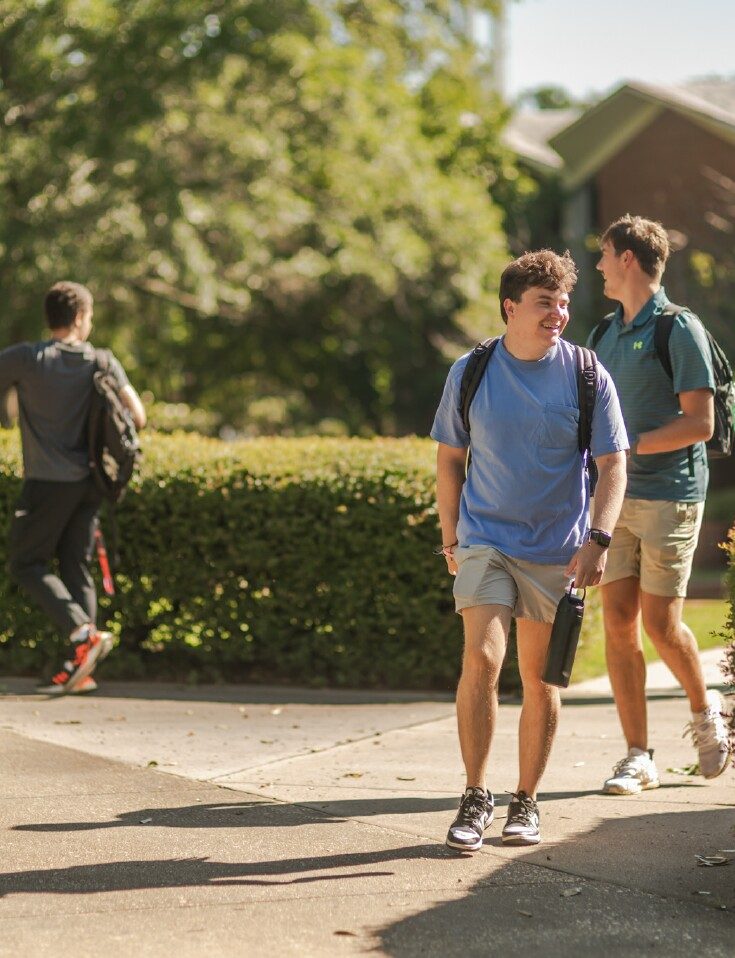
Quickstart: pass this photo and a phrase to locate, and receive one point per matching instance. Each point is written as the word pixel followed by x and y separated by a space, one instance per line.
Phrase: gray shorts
pixel 487 576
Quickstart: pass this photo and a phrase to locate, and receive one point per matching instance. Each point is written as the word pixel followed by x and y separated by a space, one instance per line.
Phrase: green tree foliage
pixel 281 205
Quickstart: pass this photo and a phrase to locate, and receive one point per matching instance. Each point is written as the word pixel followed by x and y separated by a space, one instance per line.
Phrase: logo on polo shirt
pixel 638 344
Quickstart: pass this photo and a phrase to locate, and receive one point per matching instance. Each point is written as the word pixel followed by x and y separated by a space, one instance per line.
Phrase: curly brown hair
pixel 543 268
pixel 646 239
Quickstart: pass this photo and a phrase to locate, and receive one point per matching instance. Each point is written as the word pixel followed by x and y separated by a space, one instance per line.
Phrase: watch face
pixel 601 538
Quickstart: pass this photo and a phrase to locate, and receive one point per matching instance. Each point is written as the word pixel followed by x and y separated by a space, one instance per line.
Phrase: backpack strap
pixel 102 358
pixel 662 335
pixel 587 393
pixel 600 329
pixel 472 377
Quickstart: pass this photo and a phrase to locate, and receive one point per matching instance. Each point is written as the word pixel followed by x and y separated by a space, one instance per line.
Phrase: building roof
pixel 579 141
pixel 599 133
pixel 528 133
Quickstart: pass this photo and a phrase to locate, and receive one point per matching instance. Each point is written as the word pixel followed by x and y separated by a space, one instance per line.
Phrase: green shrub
pixel 273 560
pixel 304 560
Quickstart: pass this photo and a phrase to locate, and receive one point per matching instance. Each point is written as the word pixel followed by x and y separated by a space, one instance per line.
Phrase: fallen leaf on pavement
pixel 67 722
pixel 350 933
pixel 144 821
pixel 709 860
pixel 353 775
pixel 568 892
pixel 403 778
pixel 526 914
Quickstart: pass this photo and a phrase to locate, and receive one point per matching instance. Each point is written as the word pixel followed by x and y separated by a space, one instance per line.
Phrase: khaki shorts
pixel 655 542
pixel 488 577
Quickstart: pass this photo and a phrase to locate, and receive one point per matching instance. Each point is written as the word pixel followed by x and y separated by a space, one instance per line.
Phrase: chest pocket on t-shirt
pixel 558 428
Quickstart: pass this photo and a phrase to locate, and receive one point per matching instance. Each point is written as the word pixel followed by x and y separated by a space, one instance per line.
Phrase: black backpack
pixel 586 390
pixel 112 439
pixel 723 438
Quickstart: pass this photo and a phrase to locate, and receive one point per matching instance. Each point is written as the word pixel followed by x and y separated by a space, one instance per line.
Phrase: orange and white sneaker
pixel 89 647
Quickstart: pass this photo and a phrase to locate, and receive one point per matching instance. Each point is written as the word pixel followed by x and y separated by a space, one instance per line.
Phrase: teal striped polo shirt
pixel 649 398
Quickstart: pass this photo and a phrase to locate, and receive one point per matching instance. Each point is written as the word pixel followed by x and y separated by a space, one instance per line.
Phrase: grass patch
pixel 703 616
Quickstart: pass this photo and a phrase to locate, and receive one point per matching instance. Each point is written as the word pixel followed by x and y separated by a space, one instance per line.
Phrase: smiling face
pixel 539 318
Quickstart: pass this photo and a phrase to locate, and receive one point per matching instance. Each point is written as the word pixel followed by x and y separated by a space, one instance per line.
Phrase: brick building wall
pixel 677 172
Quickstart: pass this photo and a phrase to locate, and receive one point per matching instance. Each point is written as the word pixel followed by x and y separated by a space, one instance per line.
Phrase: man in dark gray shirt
pixel 56 513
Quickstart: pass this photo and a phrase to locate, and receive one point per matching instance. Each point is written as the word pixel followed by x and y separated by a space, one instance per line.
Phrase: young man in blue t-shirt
pixel 668 419
pixel 515 530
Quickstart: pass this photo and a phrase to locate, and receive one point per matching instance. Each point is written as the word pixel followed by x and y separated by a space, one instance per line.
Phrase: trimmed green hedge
pixel 306 561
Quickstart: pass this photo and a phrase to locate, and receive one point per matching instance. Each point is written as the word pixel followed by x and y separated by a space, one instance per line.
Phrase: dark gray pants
pixel 56 520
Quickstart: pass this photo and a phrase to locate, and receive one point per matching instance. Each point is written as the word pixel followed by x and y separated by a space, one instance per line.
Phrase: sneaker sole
pixel 619 790
pixel 469 848
pixel 84 670
pixel 463 848
pixel 521 839
pixel 717 774
pixel 85 688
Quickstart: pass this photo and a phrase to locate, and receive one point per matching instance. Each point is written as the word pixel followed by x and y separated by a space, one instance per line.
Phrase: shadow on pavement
pixel 635 887
pixel 266 814
pixel 200 872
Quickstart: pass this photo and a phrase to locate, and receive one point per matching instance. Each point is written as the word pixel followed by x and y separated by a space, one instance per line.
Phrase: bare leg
pixel 675 644
pixel 486 629
pixel 625 662
pixel 540 712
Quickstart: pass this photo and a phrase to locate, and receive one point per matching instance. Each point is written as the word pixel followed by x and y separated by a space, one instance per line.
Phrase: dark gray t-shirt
pixel 54 383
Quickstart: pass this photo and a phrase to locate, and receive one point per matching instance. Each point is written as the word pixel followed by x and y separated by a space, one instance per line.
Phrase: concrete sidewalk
pixel 235 820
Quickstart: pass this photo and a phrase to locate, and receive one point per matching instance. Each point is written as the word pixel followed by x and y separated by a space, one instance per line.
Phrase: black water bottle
pixel 564 639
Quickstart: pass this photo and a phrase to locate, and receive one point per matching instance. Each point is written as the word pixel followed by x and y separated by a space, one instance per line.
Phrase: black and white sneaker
pixel 522 824
pixel 476 810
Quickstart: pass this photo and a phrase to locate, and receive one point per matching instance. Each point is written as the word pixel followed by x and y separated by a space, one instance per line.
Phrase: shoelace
pixel 628 765
pixel 527 811
pixel 709 731
pixel 471 809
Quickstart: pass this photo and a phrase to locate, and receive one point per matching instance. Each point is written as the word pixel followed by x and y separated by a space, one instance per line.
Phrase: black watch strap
pixel 602 539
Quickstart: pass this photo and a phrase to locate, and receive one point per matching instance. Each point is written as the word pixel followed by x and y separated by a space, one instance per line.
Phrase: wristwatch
pixel 603 539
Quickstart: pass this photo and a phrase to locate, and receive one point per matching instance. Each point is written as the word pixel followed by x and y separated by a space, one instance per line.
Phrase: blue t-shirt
pixel 649 399
pixel 527 492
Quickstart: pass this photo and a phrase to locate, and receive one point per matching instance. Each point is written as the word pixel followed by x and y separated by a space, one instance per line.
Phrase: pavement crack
pixel 216 779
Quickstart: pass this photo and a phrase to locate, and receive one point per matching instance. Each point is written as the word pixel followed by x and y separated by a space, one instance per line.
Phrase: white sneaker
pixel 633 774
pixel 710 736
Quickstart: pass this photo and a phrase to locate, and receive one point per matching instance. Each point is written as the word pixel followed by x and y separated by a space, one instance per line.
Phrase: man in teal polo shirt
pixel 668 420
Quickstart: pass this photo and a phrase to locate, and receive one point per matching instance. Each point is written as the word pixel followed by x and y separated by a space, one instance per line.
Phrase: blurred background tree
pixel 282 207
